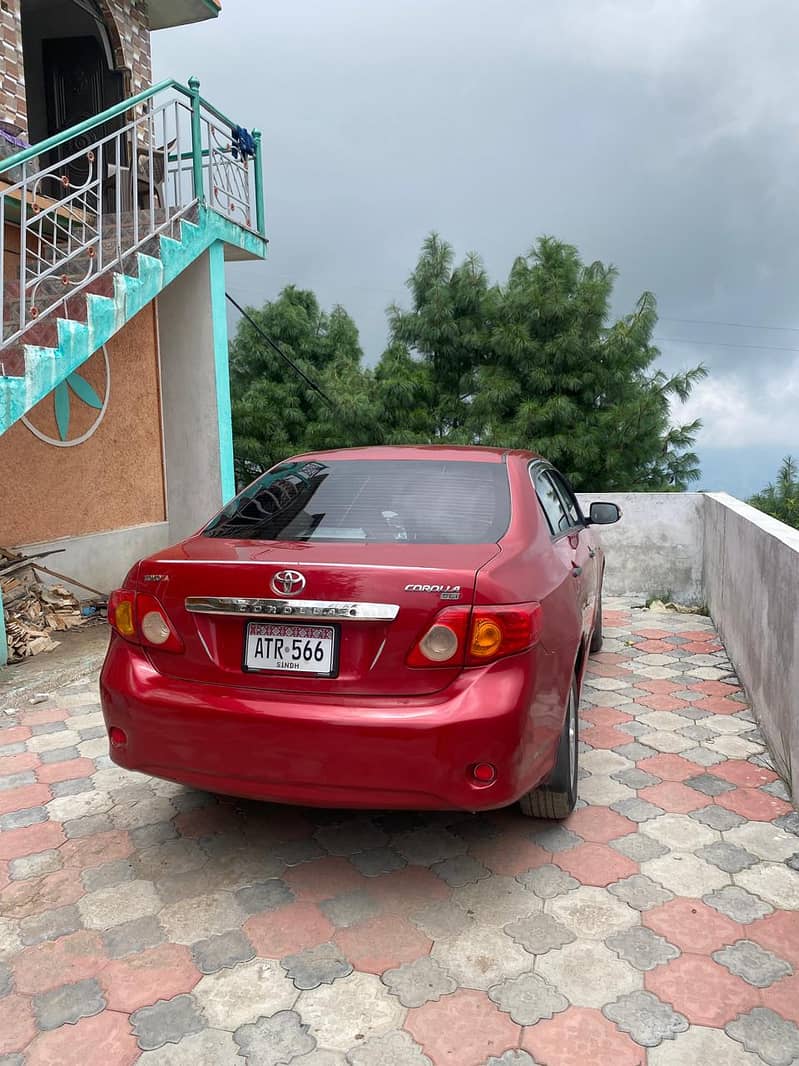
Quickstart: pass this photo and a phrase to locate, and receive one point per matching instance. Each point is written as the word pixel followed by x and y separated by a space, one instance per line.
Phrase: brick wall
pixel 128 27
pixel 12 81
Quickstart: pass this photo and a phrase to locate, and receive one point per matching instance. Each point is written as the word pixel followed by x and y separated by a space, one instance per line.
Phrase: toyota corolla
pixel 377 627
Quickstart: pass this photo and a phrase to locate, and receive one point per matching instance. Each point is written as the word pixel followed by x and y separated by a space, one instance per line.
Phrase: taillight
pixel 477 636
pixel 140 618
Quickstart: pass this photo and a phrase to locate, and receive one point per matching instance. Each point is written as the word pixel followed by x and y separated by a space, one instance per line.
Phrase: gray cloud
pixel 660 135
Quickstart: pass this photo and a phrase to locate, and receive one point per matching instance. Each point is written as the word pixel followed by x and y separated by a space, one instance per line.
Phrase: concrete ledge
pixel 102 559
pixel 656 549
pixel 751 580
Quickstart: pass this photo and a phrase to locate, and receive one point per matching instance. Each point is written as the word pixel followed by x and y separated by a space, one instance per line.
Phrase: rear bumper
pixel 370 753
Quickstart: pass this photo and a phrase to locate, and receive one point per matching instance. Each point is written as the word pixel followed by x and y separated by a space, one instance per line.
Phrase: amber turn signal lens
pixel 486 638
pixel 123 619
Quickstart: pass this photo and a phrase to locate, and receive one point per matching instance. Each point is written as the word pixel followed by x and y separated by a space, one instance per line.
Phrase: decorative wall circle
pixel 74 387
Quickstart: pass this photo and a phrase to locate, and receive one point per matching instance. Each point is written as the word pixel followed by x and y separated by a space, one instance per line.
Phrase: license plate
pixel 291 649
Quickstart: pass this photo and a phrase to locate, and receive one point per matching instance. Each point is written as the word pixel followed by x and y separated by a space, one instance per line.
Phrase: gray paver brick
pixel 59 755
pixel 639 847
pixel 765 1033
pixel 746 959
pixel 222 951
pixel 637 810
pixel 709 785
pixel 296 852
pixel 264 896
pixel 789 822
pixel 68 1003
pixel 166 1022
pixel 134 936
pixel 157 833
pixel 641 947
pixel 317 966
pixel 390 1049
pixel 36 865
pixel 24 777
pixel 110 873
pixel 647 1019
pixel 349 908
pixel 511 1058
pixel 528 998
pixel 274 1040
pixel 717 817
pixel 554 838
pixel 88 826
pixel 460 870
pixel 635 751
pixel 635 778
pixel 548 881
pixel 419 982
pixel 728 857
pixel 6 980
pixel 441 919
pixel 76 787
pixel 423 847
pixel 539 933
pixel 738 904
pixel 22 819
pixel 640 892
pixel 378 861
pixel 49 925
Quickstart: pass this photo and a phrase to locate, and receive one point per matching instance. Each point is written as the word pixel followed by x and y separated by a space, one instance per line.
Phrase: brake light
pixel 140 618
pixel 477 636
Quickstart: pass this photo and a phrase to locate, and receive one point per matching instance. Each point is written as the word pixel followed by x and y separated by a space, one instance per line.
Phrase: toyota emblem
pixel 288 582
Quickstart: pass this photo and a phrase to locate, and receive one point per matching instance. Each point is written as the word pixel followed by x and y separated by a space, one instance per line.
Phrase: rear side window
pixel 567 496
pixel 551 503
pixel 419 501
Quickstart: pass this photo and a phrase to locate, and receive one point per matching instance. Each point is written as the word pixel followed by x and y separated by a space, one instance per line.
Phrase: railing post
pixel 196 138
pixel 259 184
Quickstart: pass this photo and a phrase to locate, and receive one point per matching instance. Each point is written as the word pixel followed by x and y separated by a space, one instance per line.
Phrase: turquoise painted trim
pixel 3 641
pixel 45 368
pixel 221 370
pixel 260 221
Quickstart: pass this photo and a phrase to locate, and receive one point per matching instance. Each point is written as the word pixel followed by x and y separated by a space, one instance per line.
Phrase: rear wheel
pixel 556 798
pixel 596 636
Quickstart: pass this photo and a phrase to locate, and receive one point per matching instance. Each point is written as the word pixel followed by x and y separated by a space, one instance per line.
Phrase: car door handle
pixel 576 570
pixel 591 553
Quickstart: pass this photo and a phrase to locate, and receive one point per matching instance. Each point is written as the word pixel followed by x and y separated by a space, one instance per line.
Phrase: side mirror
pixel 603 514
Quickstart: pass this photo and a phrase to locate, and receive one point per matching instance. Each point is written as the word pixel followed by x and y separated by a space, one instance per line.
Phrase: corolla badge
pixel 288 582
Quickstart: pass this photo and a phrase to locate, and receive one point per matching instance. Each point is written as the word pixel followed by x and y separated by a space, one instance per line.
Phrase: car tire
pixel 596 635
pixel 556 798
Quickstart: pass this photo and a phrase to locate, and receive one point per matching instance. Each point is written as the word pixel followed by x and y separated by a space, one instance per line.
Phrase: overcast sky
pixel 659 135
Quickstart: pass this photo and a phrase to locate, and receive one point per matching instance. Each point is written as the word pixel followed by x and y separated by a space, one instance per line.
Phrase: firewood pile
pixel 34 611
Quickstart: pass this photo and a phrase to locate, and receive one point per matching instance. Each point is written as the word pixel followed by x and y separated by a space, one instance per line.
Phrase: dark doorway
pixel 74 71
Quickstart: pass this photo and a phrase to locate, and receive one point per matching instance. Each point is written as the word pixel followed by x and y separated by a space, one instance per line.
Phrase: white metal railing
pixel 80 203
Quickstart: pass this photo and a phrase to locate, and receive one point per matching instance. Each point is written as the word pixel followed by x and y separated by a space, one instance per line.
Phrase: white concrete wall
pixel 656 549
pixel 101 559
pixel 188 325
pixel 751 579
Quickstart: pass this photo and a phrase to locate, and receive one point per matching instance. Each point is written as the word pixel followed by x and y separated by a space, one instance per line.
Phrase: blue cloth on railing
pixel 243 145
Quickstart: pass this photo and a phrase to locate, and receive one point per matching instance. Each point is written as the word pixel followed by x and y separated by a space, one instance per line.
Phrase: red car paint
pixel 380 734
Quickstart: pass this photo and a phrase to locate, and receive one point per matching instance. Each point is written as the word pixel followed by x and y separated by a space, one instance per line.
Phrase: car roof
pixel 451 452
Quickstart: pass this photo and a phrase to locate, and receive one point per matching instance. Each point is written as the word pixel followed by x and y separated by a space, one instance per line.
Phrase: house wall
pixel 751 578
pixel 114 479
pixel 12 78
pixel 656 550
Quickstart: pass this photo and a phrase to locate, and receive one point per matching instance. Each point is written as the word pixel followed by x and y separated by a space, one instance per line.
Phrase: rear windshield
pixel 420 501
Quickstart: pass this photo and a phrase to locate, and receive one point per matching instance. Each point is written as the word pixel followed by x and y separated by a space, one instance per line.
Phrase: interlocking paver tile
pixel 717 818
pixel 746 959
pixel 135 981
pixel 528 998
pixel 727 856
pixel 641 947
pixel 108 1035
pixel 539 933
pixel 578 1036
pixel 548 881
pixel 166 1022
pixel 419 982
pixel 381 943
pixel 222 952
pixel 701 989
pixel 351 1010
pixel 640 892
pixel 68 1004
pixel 648 1020
pixel 764 1032
pixel 376 861
pixel 316 966
pixel 210 1047
pixel 773 882
pixel 699 1045
pixel 234 997
pixel 390 1049
pixel 588 973
pixel 465 1027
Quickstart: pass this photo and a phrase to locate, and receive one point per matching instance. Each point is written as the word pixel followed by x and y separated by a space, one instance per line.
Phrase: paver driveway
pixel 142 921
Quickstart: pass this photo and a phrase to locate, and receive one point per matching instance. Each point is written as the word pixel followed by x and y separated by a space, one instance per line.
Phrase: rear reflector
pixel 479 635
pixel 484 773
pixel 117 737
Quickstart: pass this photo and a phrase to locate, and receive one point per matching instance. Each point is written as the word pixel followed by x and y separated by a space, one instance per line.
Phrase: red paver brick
pixel 599 824
pixel 670 767
pixel 382 943
pixel 596 864
pixel 617 619
pixel 715 688
pixel 324 879
pixel 288 930
pixel 21 899
pixel 17 1027
pixel 15 735
pixel 653 634
pixel 659 701
pixel 720 705
pixel 14 843
pixel 509 856
pixel 51 772
pixel 54 714
pixel 98 849
pixel 404 891
pixel 139 980
pixel 104 1040
pixel 19 799
pixel 705 992
pixel 743 773
pixel 464 1029
pixel 753 804
pixel 702 636
pixel 674 797
pixel 580 1036
pixel 205 821
pixel 778 932
pixel 16 764
pixel 605 670
pixel 600 716
pixel 59 962
pixel 610 657
pixel 783 997
pixel 696 647
pixel 5 879
pixel 662 686
pixel 656 647
pixel 691 925
pixel 605 736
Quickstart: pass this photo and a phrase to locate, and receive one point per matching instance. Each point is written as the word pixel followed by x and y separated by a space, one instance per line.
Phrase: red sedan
pixel 376 627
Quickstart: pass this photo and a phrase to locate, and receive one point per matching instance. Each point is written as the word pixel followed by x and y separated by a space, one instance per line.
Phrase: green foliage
pixel 780 498
pixel 534 363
